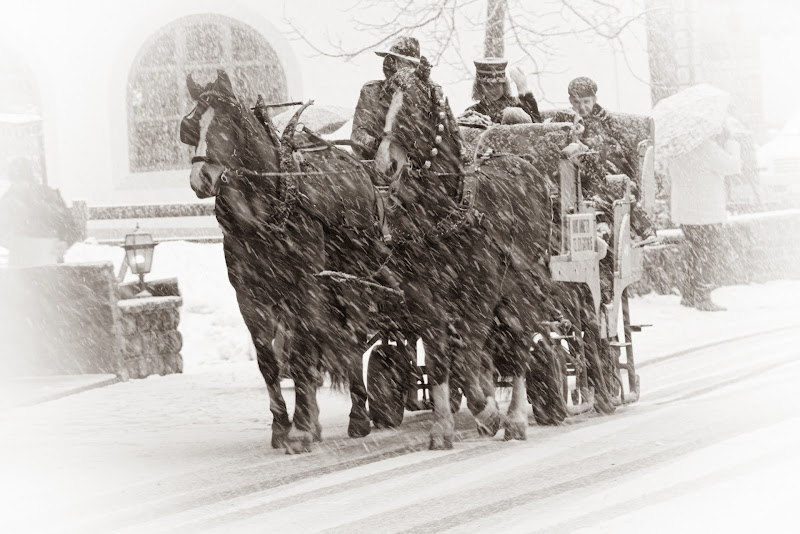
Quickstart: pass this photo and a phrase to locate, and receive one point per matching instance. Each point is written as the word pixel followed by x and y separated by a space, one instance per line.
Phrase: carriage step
pixel 638 327
pixel 619 344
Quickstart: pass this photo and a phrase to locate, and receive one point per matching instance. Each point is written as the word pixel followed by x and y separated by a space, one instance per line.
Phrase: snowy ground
pixel 713 430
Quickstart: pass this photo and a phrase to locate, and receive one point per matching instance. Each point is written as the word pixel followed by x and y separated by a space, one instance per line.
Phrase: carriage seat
pixel 630 130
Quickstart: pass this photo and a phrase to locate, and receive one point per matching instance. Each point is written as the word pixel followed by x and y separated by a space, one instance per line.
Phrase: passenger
pixel 606 162
pixel 604 166
pixel 492 90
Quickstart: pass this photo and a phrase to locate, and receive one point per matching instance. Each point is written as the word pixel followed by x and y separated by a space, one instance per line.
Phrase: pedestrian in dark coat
pixel 35 223
pixel 492 90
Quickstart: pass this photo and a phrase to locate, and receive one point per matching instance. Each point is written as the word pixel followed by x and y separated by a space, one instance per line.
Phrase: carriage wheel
pixel 386 386
pixel 545 382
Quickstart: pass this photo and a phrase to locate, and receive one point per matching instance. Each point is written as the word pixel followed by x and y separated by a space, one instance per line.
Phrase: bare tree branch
pixel 440 23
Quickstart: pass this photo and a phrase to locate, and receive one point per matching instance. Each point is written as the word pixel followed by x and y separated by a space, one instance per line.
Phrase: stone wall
pixel 151 342
pixel 59 319
pixel 754 248
pixel 69 319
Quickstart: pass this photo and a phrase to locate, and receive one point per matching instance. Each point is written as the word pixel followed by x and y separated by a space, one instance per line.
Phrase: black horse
pixel 285 218
pixel 471 251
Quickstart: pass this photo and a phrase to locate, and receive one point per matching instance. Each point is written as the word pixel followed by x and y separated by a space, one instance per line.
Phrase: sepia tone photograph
pixel 399 266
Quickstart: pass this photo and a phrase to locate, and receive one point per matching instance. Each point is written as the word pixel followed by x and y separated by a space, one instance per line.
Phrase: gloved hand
pixel 518 77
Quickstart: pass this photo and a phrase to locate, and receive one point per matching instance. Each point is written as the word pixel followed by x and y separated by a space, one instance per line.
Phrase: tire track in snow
pixel 177 500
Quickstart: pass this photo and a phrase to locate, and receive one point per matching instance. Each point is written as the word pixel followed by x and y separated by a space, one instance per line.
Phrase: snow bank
pixel 214 332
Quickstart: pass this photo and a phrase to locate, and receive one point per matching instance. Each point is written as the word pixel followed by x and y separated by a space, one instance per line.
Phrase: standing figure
pixel 492 90
pixel 373 103
pixel 35 223
pixel 698 204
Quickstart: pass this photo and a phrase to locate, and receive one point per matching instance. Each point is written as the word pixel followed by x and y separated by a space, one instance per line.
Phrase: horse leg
pixel 280 416
pixel 516 423
pixel 482 403
pixel 260 321
pixel 267 364
pixel 305 428
pixel 478 384
pixel 359 417
pixel 437 362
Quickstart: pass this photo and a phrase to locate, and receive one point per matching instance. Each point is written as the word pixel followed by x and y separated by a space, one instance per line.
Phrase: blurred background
pixel 91 92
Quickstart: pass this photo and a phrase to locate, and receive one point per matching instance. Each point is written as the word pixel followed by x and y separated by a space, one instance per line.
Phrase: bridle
pixel 230 170
pixel 214 161
pixel 227 170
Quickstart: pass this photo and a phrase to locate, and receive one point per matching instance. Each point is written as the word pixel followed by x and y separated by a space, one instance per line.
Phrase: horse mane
pixel 423 125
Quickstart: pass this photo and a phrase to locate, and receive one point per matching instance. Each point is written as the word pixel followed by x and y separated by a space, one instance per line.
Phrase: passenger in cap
pixel 492 90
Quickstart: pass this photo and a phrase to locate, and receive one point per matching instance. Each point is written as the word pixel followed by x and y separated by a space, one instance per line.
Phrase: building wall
pixel 80 54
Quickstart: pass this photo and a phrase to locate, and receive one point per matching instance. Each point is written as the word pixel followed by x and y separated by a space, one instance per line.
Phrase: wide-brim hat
pixel 490 69
pixel 404 48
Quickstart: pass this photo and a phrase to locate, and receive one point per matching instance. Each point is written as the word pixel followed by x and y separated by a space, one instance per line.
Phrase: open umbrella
pixel 319 118
pixel 686 119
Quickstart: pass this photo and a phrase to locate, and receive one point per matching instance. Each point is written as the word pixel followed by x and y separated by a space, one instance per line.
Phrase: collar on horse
pixel 465 215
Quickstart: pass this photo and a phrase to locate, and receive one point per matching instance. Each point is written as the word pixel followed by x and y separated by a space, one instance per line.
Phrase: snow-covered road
pixel 712 446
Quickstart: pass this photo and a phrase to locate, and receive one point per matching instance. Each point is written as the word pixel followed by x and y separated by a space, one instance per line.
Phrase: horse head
pixel 222 134
pixel 421 153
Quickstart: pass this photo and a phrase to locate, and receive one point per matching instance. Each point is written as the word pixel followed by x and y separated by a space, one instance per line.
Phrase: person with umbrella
pixel 694 145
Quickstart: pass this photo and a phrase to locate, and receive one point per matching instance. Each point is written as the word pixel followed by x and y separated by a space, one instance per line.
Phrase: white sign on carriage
pixel 582 236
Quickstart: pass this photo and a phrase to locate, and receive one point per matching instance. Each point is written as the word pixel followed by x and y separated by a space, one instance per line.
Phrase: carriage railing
pixel 578 261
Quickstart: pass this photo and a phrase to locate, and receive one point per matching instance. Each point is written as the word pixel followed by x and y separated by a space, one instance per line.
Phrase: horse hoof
pixel 298 442
pixel 515 430
pixel 317 433
pixel 358 428
pixel 489 420
pixel 279 435
pixel 440 443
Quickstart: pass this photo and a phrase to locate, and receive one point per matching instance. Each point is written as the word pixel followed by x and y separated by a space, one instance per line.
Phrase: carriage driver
pixel 492 90
pixel 373 103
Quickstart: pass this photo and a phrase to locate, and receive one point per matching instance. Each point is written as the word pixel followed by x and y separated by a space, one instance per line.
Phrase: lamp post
pixel 139 256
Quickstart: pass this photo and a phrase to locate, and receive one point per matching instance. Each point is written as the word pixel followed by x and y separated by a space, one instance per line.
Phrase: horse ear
pixel 194 90
pixel 224 82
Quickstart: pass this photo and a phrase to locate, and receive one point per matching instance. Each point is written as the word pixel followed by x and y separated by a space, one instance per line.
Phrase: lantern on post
pixel 139 256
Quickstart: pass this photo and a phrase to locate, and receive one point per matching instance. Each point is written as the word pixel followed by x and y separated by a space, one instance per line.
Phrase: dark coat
pixel 370 118
pixel 35 210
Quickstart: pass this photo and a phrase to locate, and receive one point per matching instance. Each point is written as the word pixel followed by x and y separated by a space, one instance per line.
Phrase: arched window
pixel 157 94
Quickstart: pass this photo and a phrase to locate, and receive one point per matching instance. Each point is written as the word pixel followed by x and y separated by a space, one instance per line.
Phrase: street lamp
pixel 139 256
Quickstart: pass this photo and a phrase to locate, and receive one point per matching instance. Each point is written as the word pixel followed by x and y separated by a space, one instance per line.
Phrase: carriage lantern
pixel 139 250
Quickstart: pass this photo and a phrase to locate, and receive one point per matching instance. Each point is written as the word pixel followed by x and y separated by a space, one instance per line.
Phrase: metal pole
pixel 626 323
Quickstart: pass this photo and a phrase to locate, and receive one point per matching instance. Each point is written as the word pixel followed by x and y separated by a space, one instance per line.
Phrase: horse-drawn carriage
pixel 396 375
pixel 480 262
